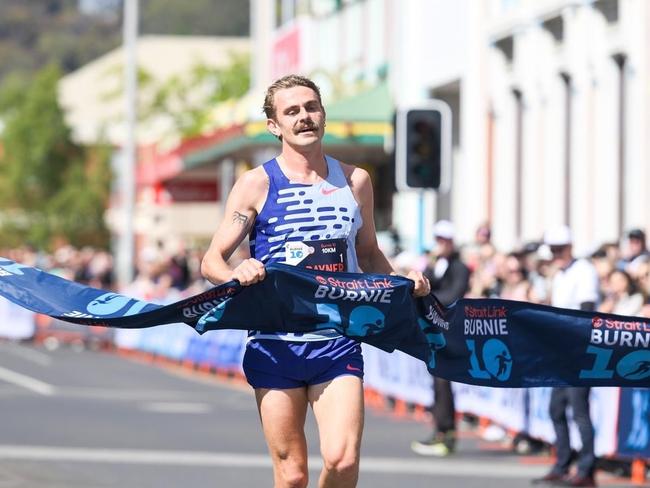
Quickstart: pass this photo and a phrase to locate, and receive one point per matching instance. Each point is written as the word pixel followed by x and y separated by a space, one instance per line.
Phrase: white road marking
pixel 236 402
pixel 450 467
pixel 27 353
pixel 176 407
pixel 133 456
pixel 444 467
pixel 121 394
pixel 209 380
pixel 25 381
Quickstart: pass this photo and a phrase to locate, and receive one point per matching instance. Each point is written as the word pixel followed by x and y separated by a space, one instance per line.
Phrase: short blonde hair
pixel 288 81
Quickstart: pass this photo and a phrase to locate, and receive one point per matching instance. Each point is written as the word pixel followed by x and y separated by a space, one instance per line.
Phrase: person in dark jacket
pixel 449 279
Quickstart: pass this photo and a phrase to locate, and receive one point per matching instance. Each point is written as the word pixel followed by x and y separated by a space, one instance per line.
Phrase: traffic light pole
pixel 126 247
pixel 423 146
pixel 423 154
pixel 421 247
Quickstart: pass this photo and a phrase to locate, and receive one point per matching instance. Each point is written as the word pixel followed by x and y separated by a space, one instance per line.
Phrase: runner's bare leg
pixel 338 407
pixel 282 413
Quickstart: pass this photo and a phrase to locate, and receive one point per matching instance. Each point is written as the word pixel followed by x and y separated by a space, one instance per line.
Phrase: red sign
pixel 191 191
pixel 286 52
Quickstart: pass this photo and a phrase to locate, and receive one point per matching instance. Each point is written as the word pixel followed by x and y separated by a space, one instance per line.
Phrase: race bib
pixel 326 255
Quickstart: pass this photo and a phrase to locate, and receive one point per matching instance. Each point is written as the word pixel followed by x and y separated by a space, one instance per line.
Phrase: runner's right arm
pixel 243 204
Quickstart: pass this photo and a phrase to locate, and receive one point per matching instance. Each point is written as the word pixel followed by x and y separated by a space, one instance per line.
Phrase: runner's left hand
pixel 422 285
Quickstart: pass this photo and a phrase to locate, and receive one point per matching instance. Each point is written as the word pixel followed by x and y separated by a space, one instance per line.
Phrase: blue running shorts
pixel 278 364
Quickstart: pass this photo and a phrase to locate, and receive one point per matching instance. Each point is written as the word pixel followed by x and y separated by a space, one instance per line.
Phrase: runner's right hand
pixel 249 271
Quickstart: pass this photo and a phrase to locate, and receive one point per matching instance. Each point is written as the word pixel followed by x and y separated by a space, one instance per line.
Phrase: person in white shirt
pixel 575 285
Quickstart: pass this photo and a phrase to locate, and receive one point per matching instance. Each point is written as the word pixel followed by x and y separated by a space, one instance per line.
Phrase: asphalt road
pixel 94 419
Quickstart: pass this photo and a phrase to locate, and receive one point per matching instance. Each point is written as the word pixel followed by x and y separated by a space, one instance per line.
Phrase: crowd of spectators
pixel 526 273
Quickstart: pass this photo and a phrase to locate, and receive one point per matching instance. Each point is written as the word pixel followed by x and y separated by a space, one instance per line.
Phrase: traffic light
pixel 423 141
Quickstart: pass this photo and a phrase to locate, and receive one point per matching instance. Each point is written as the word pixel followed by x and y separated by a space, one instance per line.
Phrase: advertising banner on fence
pixel 634 423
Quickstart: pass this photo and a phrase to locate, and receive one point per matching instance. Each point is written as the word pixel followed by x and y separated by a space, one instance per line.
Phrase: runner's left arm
pixel 371 258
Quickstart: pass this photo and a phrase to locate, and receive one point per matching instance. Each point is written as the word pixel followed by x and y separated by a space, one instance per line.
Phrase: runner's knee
pixel 344 462
pixel 291 474
pixel 295 479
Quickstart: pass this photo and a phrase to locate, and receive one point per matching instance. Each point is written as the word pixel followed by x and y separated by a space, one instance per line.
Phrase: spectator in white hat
pixel 575 285
pixel 449 279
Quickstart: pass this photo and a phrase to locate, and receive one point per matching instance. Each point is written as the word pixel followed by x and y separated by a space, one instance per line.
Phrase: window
pixel 322 8
pixel 555 27
pixel 507 46
pixel 609 8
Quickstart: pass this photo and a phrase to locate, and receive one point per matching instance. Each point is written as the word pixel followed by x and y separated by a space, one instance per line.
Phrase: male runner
pixel 307 209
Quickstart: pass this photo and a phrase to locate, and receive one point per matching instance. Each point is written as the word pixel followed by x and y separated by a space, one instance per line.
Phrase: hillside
pixel 34 33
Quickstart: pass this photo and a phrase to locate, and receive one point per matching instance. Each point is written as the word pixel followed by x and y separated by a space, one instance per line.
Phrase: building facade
pixel 550 101
pixel 567 112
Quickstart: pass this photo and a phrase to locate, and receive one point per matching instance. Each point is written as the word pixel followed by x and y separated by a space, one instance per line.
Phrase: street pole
pixel 420 235
pixel 126 249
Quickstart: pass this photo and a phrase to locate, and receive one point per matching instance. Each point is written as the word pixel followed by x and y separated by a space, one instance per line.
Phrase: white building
pixel 549 100
pixel 567 108
pixel 552 110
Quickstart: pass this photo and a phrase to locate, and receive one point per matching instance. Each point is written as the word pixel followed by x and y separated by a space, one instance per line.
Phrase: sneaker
pixel 431 447
pixel 579 481
pixel 551 478
pixel 522 447
pixel 494 433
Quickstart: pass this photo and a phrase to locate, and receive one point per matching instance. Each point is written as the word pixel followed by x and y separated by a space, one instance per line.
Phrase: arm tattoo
pixel 239 218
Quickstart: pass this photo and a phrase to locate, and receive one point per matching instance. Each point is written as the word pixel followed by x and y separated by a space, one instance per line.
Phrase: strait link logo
pixel 607 337
pixel 359 320
pixel 610 332
pixel 370 291
pixel 489 356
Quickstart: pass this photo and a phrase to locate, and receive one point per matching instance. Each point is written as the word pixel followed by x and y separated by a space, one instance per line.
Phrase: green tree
pixel 12 93
pixel 37 144
pixel 36 33
pixel 196 18
pixel 190 98
pixel 77 211
pixel 48 188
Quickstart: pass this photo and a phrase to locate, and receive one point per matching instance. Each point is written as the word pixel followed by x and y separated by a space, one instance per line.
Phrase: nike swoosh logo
pixel 329 191
pixel 349 367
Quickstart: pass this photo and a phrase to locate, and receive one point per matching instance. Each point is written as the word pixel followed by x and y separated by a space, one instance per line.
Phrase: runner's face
pixel 299 116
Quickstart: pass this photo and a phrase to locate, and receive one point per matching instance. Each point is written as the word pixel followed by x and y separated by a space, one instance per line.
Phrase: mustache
pixel 307 126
